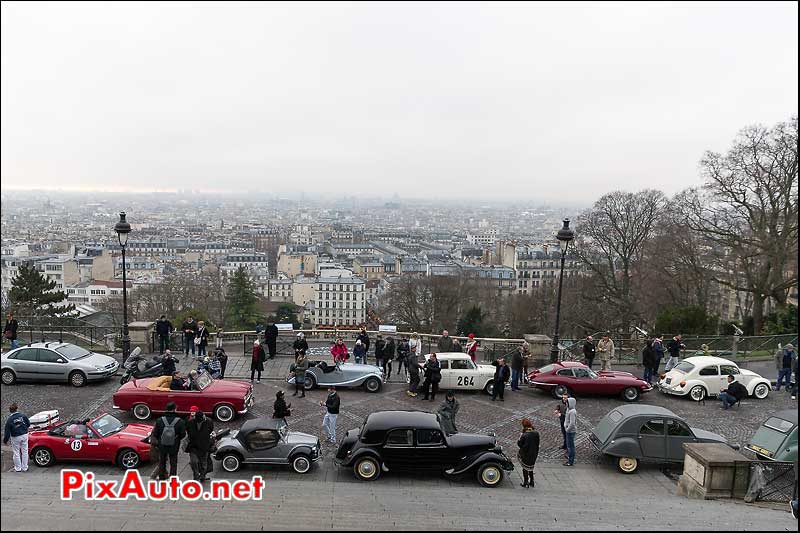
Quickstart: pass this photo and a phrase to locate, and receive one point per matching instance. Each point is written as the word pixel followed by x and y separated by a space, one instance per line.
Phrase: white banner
pixel 387 329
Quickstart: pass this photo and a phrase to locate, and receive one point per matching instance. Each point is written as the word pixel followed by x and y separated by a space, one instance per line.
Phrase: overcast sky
pixel 546 101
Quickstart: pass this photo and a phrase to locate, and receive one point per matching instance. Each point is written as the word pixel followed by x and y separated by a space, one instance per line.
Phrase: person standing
pixel 257 362
pixel 359 352
pixel 271 338
pixel 16 431
pixel 332 404
pixel 589 351
pixel 202 337
pixel 10 330
pixel 300 368
pixel 784 360
pixel 501 375
pixel 198 443
pixel 526 360
pixel 389 353
pixel 472 347
pixel 648 361
pixel 606 350
pixel 169 430
pixel 363 336
pixel 380 344
pixel 414 347
pixel 794 388
pixel 167 364
pixel 516 368
pixel 571 427
pixel 457 345
pixel 300 344
pixel 561 411
pixel 445 342
pixel 280 409
pixel 447 413
pixel 189 328
pixel 339 351
pixel 413 378
pixel 658 350
pixel 164 329
pixel 674 348
pixel 218 339
pixel 528 444
pixel 222 357
pixel 433 375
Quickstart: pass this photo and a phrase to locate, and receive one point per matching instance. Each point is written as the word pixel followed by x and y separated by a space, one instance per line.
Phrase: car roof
pixel 51 344
pixel 570 364
pixel 260 423
pixel 449 355
pixel 643 409
pixel 702 360
pixel 787 414
pixel 386 420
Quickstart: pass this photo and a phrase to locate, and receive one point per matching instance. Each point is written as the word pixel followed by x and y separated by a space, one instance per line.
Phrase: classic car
pixel 56 362
pixel 634 433
pixel 703 376
pixel 322 374
pixel 221 398
pixel 104 439
pixel 267 441
pixel 776 439
pixel 578 379
pixel 414 441
pixel 460 372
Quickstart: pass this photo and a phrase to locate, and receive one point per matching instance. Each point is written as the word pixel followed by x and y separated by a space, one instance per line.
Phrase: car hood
pixel 95 359
pixel 471 440
pixel 358 367
pixel 295 437
pixel 702 434
pixel 138 431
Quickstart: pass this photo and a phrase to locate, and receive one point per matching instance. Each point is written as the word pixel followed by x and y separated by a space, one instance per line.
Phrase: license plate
pixel 669 380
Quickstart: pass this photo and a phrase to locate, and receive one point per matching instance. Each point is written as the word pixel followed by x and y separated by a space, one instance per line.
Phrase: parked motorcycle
pixel 133 368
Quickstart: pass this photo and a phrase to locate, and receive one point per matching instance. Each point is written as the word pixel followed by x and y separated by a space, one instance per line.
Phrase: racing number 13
pixel 466 381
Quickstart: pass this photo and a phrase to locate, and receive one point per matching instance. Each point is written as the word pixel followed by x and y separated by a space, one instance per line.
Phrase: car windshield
pixel 72 352
pixel 607 425
pixel 283 428
pixel 547 368
pixel 106 425
pixel 768 438
pixel 203 380
pixel 684 367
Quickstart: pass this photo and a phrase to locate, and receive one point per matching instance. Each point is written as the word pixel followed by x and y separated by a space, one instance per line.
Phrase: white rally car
pixel 703 376
pixel 459 372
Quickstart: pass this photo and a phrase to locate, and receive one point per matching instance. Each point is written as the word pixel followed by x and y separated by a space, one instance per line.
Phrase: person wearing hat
pixel 784 359
pixel 589 351
pixel 198 443
pixel 447 413
pixel 280 409
pixel 300 344
pixel 606 350
pixel 257 361
pixel 360 352
pixel 472 347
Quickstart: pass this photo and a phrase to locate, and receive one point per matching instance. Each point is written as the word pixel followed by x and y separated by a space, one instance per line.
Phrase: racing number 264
pixel 466 381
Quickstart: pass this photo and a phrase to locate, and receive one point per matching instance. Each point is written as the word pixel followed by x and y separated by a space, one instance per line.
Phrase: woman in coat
pixel 472 347
pixel 300 344
pixel 300 367
pixel 202 334
pixel 528 451
pixel 339 351
pixel 257 361
pixel 447 413
pixel 280 409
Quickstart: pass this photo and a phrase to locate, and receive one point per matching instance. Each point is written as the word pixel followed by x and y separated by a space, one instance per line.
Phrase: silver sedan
pixel 56 362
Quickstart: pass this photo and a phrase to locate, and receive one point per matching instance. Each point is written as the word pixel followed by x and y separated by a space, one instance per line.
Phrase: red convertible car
pixel 578 379
pixel 104 439
pixel 221 398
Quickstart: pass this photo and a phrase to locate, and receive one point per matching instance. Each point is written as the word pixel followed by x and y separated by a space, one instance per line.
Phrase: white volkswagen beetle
pixel 703 376
pixel 460 372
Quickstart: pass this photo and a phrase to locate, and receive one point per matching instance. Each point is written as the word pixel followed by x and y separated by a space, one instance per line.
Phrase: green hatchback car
pixel 776 439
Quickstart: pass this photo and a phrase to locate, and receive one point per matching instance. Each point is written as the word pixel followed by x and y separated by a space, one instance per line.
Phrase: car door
pixel 709 375
pixel 566 377
pixel 432 452
pixel 652 438
pixel 184 400
pixel 398 451
pixel 52 365
pixel 584 383
pixel 448 382
pixel 677 434
pixel 464 374
pixel 73 443
pixel 25 363
pixel 262 443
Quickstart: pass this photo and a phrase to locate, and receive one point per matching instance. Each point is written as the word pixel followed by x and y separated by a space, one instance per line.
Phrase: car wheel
pixel 231 462
pixel 140 411
pixel 43 457
pixel 224 413
pixel 8 377
pixel 630 394
pixel 372 385
pixel 489 388
pixel 761 391
pixel 310 382
pixel 301 463
pixel 560 390
pixel 490 474
pixel 628 465
pixel 367 469
pixel 128 459
pixel 697 393
pixel 77 379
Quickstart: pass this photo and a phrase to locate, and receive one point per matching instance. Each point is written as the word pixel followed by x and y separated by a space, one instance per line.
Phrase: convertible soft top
pixel 260 423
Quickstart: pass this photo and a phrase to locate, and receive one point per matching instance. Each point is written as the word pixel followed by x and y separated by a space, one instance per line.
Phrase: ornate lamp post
pixel 123 229
pixel 565 236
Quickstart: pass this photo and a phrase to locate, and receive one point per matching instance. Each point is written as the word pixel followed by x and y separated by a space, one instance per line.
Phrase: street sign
pixel 387 329
pixel 285 327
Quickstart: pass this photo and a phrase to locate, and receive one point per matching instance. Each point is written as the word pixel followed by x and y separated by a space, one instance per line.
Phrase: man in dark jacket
pixel 445 342
pixel 501 375
pixel 658 349
pixel 516 368
pixel 163 329
pixel 589 351
pixel 167 364
pixel 331 404
pixel 16 430
pixel 198 445
pixel 674 348
pixel 363 336
pixel 380 344
pixel 10 331
pixel 388 354
pixel 433 375
pixel 271 338
pixel 189 329
pixel 648 361
pixel 413 378
pixel 734 393
pixel 169 430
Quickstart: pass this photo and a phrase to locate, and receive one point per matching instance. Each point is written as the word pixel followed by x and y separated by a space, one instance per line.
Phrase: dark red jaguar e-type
pixel 578 379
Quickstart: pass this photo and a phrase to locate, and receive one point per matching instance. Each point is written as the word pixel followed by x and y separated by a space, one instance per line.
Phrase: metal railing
pixel 771 481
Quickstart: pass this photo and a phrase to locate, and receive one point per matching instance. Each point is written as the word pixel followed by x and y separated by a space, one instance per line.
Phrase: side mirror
pixel 60 361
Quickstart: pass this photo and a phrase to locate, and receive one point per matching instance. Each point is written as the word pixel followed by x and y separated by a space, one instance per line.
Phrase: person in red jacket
pixel 339 351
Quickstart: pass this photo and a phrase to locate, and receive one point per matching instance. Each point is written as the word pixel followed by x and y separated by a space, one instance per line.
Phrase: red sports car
pixel 221 398
pixel 104 439
pixel 579 379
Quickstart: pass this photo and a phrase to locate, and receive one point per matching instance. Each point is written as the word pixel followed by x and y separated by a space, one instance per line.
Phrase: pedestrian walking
pixel 526 360
pixel 169 430
pixel 447 413
pixel 363 336
pixel 658 349
pixel 380 344
pixel 674 348
pixel 501 375
pixel 198 442
pixel 189 328
pixel 606 350
pixel 300 344
pixel 222 357
pixel 784 360
pixel 516 367
pixel 359 352
pixel 457 345
pixel 300 367
pixel 528 444
pixel 571 427
pixel 735 392
pixel 167 364
pixel 201 339
pixel 433 375
pixel 648 360
pixel 332 404
pixel 164 329
pixel 561 412
pixel 413 378
pixel 271 338
pixel 472 347
pixel 16 431
pixel 445 342
pixel 389 353
pixel 280 409
pixel 339 351
pixel 589 351
pixel 10 330
pixel 257 361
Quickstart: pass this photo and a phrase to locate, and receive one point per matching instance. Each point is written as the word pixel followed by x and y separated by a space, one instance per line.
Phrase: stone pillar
pixel 713 470
pixel 540 349
pixel 141 334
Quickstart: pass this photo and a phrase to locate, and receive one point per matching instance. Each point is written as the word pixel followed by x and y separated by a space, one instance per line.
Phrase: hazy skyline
pixel 555 102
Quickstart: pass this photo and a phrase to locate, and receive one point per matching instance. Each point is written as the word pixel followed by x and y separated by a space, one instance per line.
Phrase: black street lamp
pixel 564 236
pixel 123 229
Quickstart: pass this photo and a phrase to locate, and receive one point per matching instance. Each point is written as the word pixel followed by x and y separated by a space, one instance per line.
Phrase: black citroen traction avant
pixel 402 441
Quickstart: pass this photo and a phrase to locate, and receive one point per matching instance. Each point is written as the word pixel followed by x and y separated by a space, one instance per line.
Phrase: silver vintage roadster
pixel 322 374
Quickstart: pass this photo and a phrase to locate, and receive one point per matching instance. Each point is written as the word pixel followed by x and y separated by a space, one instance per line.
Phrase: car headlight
pixel 99 368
